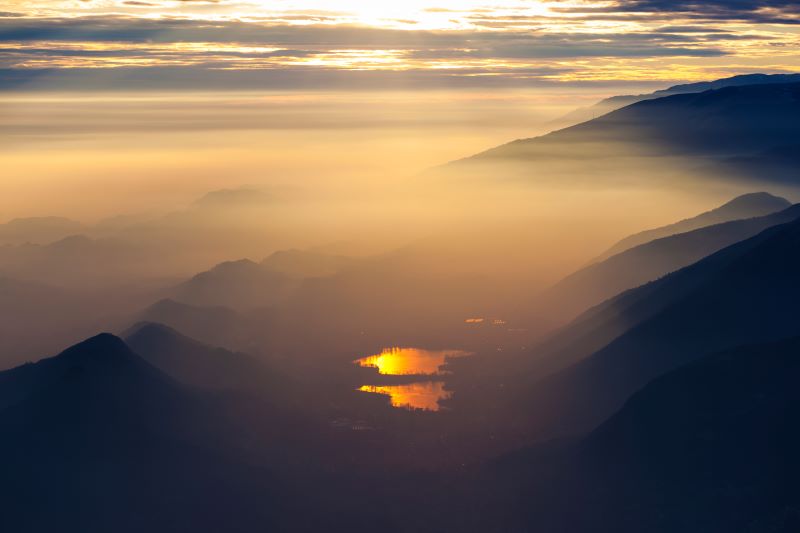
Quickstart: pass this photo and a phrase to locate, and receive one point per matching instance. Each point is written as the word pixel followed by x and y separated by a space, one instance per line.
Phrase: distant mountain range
pixel 215 325
pixel 728 121
pixel 143 248
pixel 652 260
pixel 241 284
pixel 198 364
pixel 616 102
pixel 697 136
pixel 74 261
pixel 245 285
pixel 741 294
pixel 38 230
pixel 744 206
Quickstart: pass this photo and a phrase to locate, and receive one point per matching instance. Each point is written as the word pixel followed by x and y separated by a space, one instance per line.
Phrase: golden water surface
pixel 408 361
pixel 411 361
pixel 413 395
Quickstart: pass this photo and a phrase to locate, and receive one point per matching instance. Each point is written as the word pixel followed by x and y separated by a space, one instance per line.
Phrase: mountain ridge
pixel 613 103
pixel 114 444
pixel 738 295
pixel 646 262
pixel 196 363
pixel 703 448
pixel 650 143
pixel 744 206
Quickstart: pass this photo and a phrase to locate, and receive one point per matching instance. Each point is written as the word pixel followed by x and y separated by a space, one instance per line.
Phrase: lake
pixel 425 394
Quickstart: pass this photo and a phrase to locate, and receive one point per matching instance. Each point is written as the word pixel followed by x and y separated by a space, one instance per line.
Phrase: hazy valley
pixel 591 329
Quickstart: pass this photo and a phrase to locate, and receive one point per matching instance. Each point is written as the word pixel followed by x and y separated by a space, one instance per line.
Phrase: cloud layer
pixel 159 43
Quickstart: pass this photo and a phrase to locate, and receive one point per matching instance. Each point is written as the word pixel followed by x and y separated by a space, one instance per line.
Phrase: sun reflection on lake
pixel 413 395
pixel 409 361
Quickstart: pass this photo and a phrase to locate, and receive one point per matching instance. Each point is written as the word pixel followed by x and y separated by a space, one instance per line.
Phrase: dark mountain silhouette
pixel 617 102
pixel 709 448
pixel 237 284
pixel 728 121
pixel 217 326
pixel 195 363
pixel 647 262
pixel 96 439
pixel 674 140
pixel 104 357
pixel 734 81
pixel 742 294
pixel 745 206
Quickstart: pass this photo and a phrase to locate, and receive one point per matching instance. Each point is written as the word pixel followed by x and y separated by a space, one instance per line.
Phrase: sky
pixel 312 44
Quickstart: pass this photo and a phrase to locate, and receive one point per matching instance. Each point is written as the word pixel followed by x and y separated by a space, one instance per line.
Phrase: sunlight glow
pixel 410 14
pixel 409 361
pixel 412 396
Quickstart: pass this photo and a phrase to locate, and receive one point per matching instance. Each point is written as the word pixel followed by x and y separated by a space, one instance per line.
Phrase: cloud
pixel 209 76
pixel 163 30
pixel 316 47
pixel 584 45
pixel 323 37
pixel 756 11
pixel 15 56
